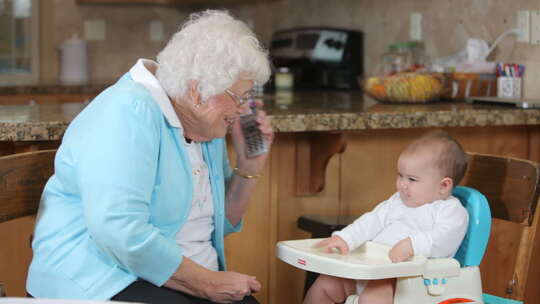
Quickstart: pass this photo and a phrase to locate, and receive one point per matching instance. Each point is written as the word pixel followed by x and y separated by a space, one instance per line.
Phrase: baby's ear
pixel 447 184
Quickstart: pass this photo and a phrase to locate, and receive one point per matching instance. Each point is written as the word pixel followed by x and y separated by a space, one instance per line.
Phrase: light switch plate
pixel 524 25
pixel 416 26
pixel 94 29
pixel 156 30
pixel 535 27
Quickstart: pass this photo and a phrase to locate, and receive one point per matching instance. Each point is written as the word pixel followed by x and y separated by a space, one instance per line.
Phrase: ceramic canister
pixel 73 61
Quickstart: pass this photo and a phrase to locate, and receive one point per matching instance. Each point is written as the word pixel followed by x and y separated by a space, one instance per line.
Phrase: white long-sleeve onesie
pixel 435 229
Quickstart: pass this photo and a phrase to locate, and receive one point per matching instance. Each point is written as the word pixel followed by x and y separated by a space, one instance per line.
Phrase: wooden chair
pixel 511 266
pixel 22 178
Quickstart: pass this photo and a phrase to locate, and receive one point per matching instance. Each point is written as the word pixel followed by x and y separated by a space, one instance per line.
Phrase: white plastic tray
pixel 368 262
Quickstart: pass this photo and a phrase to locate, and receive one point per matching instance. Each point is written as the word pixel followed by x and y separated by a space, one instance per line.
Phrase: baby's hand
pixel 334 242
pixel 401 251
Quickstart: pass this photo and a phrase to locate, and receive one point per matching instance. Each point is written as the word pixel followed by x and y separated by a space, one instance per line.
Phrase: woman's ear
pixel 193 93
pixel 447 184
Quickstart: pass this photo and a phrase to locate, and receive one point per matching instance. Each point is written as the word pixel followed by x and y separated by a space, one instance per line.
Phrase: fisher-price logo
pixel 301 262
pixel 456 300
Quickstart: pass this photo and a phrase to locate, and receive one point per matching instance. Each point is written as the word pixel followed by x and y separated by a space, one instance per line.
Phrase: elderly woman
pixel 143 195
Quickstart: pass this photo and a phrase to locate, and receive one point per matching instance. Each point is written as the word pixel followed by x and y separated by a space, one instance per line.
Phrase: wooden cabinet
pixel 169 2
pixel 127 2
pixel 44 98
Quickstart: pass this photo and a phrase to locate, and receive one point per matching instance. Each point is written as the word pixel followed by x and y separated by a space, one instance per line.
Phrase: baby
pixel 421 218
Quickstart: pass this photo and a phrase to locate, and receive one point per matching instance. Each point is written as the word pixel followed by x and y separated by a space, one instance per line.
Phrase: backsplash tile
pixel 446 26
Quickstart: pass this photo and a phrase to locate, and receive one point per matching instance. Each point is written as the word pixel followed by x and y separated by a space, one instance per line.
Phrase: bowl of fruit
pixel 404 87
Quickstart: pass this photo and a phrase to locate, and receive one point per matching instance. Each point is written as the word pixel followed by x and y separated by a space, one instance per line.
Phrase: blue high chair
pixel 419 280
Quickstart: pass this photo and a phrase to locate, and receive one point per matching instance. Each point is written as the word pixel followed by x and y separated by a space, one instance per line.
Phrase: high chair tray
pixel 368 262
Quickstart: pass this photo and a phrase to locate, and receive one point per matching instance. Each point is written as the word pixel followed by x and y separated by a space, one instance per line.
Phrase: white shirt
pixel 436 229
pixel 195 235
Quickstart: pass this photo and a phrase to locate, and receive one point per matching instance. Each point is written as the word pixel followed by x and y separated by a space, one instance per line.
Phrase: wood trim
pixel 313 152
pixel 48 52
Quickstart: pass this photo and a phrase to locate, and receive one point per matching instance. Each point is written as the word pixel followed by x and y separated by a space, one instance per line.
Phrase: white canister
pixel 73 61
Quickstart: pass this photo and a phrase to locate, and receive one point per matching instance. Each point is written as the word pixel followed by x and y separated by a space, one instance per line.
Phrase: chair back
pixel 472 248
pixel 510 184
pixel 22 178
pixel 510 267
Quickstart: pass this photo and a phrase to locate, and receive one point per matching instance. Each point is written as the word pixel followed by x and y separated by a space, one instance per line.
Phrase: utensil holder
pixel 509 87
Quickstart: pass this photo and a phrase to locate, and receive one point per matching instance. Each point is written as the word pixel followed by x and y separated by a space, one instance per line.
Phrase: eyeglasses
pixel 240 100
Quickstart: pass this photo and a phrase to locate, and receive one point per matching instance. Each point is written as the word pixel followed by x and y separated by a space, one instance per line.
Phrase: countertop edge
pixel 320 122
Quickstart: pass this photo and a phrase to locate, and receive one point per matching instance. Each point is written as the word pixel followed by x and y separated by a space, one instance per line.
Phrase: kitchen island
pixel 334 154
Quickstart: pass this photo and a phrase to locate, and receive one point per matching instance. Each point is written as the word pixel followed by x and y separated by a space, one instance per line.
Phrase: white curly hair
pixel 214 49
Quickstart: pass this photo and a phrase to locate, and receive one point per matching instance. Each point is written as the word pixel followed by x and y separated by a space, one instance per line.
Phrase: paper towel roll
pixel 73 61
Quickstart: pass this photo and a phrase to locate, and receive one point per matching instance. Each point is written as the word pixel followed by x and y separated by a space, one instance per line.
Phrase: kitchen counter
pixel 313 170
pixel 299 112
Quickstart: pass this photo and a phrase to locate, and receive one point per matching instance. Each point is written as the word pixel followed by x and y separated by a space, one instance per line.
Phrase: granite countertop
pixel 295 112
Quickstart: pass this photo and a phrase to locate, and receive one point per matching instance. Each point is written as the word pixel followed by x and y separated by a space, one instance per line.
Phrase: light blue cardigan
pixel 121 190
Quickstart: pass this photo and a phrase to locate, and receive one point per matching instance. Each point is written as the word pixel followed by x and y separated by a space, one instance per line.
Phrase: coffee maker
pixel 319 57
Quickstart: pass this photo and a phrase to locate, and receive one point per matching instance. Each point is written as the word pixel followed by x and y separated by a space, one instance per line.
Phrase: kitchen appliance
pixel 319 57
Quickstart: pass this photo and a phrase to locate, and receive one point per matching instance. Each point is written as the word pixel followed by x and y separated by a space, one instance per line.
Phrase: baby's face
pixel 419 180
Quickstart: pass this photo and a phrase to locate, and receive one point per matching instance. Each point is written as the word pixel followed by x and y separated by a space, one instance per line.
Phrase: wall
pixel 127 35
pixel 446 26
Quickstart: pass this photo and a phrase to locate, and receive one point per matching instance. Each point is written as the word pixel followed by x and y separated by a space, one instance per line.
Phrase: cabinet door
pixel 27 99
pixel 167 2
pixel 127 2
pixel 114 1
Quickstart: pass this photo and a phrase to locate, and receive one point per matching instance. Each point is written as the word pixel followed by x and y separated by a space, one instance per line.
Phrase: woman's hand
pixel 217 286
pixel 229 286
pixel 401 251
pixel 333 242
pixel 252 166
pixel 240 187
